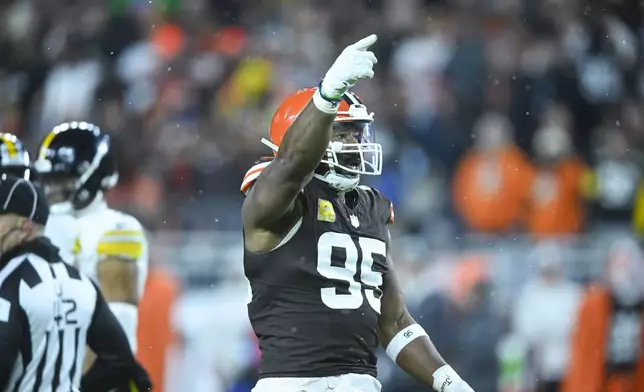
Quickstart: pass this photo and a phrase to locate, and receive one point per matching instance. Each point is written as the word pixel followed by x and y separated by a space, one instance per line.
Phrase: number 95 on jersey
pixel 356 262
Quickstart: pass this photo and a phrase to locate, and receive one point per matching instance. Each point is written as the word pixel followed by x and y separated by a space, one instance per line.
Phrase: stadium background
pixel 512 129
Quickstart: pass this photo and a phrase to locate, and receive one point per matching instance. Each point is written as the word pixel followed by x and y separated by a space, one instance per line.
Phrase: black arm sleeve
pixel 10 339
pixel 115 366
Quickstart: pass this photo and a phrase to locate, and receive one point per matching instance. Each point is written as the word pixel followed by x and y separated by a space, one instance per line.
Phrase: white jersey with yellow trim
pixel 96 233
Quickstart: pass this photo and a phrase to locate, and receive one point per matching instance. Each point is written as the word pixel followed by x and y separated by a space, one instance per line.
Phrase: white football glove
pixel 355 62
pixel 447 380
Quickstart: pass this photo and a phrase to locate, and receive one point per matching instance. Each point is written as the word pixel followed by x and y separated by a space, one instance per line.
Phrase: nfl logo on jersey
pixel 354 221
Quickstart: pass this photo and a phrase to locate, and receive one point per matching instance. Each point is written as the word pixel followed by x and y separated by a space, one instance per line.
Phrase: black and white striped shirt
pixel 49 312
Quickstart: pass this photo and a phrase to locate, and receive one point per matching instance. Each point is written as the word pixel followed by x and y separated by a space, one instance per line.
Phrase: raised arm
pixel 300 153
pixel 273 195
pixel 407 343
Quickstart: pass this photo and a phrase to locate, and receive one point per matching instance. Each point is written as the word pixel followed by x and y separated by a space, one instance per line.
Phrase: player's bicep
pixel 105 335
pixel 393 302
pixel 115 359
pixel 117 269
pixel 273 195
pixel 118 279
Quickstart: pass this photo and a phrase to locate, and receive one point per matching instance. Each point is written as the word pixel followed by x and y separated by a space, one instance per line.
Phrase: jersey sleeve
pixel 386 206
pixel 124 239
pixel 382 205
pixel 10 339
pixel 253 174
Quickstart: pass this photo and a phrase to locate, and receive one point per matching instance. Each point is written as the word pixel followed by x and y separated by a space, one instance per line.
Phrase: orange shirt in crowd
pixel 155 333
pixel 490 189
pixel 587 371
pixel 556 199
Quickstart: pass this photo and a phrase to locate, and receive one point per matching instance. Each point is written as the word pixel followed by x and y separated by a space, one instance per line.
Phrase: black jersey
pixel 316 298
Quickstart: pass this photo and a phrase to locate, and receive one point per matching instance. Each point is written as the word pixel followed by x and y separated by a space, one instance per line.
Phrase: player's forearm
pixel 408 345
pixel 124 306
pixel 118 279
pixel 419 358
pixel 305 142
pixel 90 357
pixel 106 337
pixel 299 155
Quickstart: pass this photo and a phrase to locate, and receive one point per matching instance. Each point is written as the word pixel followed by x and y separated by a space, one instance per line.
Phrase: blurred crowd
pixel 507 118
pixel 502 116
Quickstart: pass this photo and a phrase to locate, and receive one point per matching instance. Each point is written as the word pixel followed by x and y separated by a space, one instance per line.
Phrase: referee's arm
pixel 10 339
pixel 115 366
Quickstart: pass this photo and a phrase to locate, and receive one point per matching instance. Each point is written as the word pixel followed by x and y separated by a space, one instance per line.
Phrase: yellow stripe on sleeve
pixel 125 243
pixel 123 233
pixel 124 249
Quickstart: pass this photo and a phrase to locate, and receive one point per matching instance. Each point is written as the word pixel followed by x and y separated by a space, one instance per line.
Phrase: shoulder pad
pixel 253 173
pixel 384 200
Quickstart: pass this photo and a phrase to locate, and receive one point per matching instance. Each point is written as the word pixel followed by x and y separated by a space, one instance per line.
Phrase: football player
pixel 14 158
pixel 316 248
pixel 75 166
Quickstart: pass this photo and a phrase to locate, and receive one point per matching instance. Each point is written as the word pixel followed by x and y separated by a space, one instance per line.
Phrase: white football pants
pixel 343 383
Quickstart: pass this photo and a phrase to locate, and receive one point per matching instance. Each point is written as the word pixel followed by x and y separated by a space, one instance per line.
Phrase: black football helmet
pixel 75 163
pixel 14 158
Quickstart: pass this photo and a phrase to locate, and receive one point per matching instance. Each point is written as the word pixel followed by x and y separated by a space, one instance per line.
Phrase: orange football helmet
pixel 352 117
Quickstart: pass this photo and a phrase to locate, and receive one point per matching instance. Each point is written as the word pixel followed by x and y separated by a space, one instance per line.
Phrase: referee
pixel 49 311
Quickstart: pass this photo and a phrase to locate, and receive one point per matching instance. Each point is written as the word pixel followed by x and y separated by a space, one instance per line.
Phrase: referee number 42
pixel 65 311
pixel 349 272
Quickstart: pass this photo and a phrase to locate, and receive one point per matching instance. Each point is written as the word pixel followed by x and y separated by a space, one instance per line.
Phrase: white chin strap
pixel 338 181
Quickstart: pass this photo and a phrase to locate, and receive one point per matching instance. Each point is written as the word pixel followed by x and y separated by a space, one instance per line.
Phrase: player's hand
pixel 447 380
pixel 355 62
pixel 457 386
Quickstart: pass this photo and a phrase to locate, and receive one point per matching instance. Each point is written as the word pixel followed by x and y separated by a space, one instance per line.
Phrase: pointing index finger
pixel 365 43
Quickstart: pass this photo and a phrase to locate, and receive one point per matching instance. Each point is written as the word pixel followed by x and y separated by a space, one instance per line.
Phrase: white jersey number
pixel 347 273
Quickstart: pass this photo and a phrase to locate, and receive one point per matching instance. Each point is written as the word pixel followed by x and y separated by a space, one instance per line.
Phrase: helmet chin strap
pixel 337 181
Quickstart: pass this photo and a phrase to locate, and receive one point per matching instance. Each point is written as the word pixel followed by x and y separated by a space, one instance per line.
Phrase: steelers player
pixel 14 158
pixel 75 166
pixel 317 248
